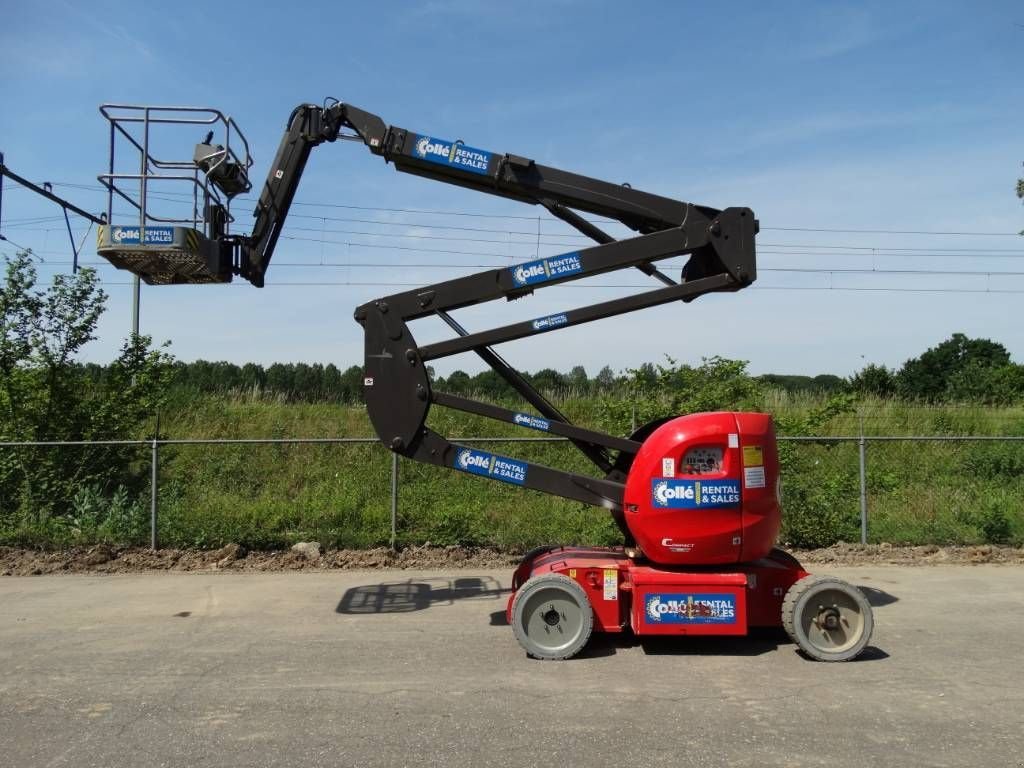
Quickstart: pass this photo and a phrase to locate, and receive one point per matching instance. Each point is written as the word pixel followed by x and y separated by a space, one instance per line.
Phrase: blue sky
pixel 850 116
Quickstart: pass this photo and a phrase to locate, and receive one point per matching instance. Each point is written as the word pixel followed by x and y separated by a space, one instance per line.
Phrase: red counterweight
pixel 703 490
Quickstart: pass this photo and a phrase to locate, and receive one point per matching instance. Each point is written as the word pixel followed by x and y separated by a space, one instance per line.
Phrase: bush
pixel 820 495
pixel 45 396
pixel 988 517
pixel 820 482
pixel 117 518
pixel 656 392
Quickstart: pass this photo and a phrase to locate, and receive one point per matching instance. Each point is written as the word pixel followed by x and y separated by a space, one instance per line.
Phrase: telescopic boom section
pixel 398 392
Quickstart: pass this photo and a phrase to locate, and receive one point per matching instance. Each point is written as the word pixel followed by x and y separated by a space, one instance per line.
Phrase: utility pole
pixel 136 294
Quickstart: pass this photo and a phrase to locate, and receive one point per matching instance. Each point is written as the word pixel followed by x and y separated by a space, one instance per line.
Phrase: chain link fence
pixel 864 445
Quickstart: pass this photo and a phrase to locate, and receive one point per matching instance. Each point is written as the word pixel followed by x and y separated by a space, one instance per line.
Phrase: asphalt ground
pixel 400 668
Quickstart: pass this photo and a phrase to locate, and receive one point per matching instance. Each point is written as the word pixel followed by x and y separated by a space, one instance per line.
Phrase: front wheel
pixel 827 618
pixel 551 617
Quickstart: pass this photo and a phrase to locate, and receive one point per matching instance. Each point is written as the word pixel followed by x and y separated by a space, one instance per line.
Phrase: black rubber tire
pixel 801 612
pixel 552 617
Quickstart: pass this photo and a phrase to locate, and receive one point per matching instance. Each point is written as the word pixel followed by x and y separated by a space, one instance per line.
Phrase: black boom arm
pixel 398 392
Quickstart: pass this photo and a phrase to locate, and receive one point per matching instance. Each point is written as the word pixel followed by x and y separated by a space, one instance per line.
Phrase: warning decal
pixel 753 456
pixel 611 584
pixel 753 477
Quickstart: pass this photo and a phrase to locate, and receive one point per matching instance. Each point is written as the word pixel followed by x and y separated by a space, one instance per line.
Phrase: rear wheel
pixel 828 619
pixel 552 617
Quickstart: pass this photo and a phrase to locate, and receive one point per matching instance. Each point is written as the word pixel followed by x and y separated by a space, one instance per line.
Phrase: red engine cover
pixel 703 490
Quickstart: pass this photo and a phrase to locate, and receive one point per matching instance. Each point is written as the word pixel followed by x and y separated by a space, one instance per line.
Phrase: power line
pixel 877 252
pixel 670 265
pixel 537 239
pixel 875 271
pixel 6 239
pixel 29 225
pixel 29 220
pixel 490 230
pixel 885 289
pixel 805 249
pixel 893 232
pixel 872 249
pixel 433 212
pixel 754 288
pixel 764 249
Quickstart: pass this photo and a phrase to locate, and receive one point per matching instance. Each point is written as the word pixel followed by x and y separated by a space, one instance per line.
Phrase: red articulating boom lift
pixel 696 497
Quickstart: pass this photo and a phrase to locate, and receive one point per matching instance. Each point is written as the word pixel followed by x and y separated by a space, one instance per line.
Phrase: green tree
pixel 549 381
pixel 304 382
pixel 661 391
pixel 458 383
pixel 489 385
pixel 928 376
pixel 281 379
pixel 987 384
pixel 644 377
pixel 352 384
pixel 874 380
pixel 46 396
pixel 254 378
pixel 605 378
pixel 578 380
pixel 827 382
pixel 332 384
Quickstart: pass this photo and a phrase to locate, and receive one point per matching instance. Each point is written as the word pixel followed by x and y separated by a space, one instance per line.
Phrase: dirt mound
pixel 233 557
pixel 928 554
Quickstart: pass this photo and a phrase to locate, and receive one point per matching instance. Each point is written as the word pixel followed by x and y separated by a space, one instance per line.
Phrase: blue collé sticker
pixel 491 465
pixel 453 153
pixel 549 322
pixel 542 270
pixel 532 422
pixel 671 493
pixel 131 235
pixel 690 609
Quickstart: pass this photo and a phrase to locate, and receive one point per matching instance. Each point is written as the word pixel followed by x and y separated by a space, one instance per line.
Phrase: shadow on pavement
pixel 760 640
pixel 871 653
pixel 757 642
pixel 877 597
pixel 602 644
pixel 418 594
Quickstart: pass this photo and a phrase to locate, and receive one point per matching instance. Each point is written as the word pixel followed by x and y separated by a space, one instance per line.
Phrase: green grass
pixel 270 496
pixel 275 495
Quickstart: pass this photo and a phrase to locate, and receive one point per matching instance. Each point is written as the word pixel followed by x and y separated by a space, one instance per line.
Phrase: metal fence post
pixel 155 464
pixel 862 444
pixel 394 499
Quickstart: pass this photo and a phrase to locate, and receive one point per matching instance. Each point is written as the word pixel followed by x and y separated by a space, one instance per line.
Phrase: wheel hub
pixel 552 617
pixel 828 618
